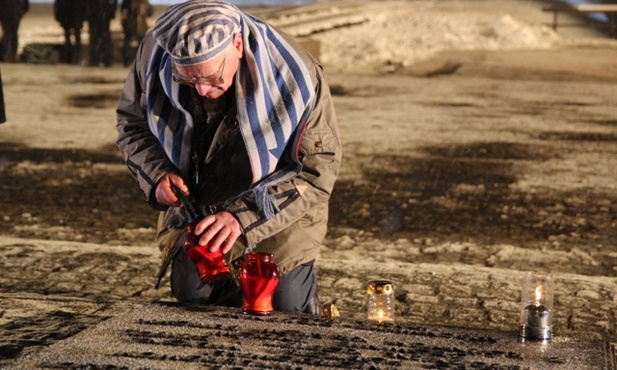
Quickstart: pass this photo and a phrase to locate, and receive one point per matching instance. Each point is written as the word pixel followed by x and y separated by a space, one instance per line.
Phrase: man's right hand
pixel 165 194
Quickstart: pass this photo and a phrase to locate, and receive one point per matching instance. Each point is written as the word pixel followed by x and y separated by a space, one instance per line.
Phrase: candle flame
pixel 538 295
pixel 380 315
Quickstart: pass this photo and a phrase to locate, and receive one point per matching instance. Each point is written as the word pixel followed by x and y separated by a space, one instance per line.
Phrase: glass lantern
pixel 380 301
pixel 536 307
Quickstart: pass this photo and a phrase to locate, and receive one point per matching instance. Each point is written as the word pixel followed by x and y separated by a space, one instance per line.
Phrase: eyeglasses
pixel 215 78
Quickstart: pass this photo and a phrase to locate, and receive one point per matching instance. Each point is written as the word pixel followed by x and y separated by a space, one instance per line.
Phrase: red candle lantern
pixel 210 265
pixel 259 277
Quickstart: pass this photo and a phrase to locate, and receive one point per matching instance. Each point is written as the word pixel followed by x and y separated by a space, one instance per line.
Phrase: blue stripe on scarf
pixel 178 124
pixel 273 119
pixel 170 121
pixel 253 118
pixel 284 90
pixel 295 69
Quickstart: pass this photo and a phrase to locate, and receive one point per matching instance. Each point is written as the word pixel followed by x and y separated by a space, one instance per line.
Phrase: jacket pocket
pixel 321 140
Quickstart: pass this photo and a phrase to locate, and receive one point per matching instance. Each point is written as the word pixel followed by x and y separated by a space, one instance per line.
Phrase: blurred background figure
pixel 11 12
pixel 100 14
pixel 612 19
pixel 135 15
pixel 71 15
pixel 2 111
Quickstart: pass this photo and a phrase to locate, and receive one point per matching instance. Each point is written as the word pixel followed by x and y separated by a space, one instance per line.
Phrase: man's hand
pixel 219 230
pixel 164 193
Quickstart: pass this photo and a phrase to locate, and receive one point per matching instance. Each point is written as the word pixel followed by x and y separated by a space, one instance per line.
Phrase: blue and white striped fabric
pixel 196 31
pixel 274 90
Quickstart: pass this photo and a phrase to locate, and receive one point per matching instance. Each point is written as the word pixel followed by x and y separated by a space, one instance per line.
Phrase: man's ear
pixel 238 44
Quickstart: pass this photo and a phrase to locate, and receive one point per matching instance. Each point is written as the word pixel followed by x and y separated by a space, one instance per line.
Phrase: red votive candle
pixel 210 266
pixel 259 277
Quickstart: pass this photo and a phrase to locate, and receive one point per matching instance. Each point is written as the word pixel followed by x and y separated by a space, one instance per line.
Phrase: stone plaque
pixel 170 336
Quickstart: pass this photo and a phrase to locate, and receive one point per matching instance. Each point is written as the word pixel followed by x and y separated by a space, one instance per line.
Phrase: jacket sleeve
pixel 140 149
pixel 320 153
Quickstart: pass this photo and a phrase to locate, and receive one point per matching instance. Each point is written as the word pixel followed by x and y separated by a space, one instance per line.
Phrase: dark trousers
pixel 296 291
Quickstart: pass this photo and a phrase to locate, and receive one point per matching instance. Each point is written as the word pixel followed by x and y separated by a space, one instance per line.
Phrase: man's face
pixel 212 78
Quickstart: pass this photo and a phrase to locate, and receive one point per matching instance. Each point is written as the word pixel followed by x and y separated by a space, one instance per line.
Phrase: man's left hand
pixel 219 230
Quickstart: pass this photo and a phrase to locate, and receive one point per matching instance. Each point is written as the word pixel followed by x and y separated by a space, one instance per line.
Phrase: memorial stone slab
pixel 173 336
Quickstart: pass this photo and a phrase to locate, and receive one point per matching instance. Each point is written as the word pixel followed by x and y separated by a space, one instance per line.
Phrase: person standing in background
pixel 100 13
pixel 2 111
pixel 11 12
pixel 71 15
pixel 135 15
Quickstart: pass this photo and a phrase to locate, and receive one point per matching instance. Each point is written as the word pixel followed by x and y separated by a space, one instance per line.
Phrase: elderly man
pixel 221 109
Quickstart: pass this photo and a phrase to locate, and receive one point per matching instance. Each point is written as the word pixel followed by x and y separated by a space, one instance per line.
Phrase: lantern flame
pixel 380 315
pixel 538 295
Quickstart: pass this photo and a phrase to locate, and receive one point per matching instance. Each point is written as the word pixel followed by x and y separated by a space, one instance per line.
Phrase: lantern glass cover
pixel 380 301
pixel 536 306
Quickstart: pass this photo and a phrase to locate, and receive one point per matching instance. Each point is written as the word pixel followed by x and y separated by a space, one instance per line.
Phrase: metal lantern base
pixel 539 333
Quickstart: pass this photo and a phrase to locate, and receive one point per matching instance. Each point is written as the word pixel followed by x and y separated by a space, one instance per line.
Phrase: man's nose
pixel 202 89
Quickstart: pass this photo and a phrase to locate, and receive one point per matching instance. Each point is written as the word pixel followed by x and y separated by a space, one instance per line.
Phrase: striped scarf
pixel 274 90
